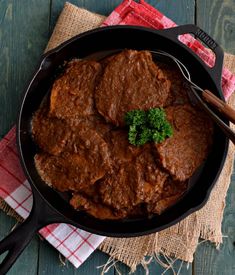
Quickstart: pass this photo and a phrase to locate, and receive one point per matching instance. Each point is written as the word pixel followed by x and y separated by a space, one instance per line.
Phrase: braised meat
pixel 50 133
pixel 84 146
pixel 169 195
pixel 151 174
pixel 120 148
pixel 72 94
pixel 182 153
pixel 97 210
pixel 119 189
pixel 84 161
pixel 179 89
pixel 70 171
pixel 136 178
pixel 131 80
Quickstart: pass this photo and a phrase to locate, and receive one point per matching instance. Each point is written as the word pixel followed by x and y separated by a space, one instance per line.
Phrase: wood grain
pixel 23 36
pixel 156 268
pixel 218 19
pixel 102 7
pixel 209 260
pixel 181 12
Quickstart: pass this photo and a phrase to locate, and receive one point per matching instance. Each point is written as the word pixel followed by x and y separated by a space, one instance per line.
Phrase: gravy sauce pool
pixel 84 148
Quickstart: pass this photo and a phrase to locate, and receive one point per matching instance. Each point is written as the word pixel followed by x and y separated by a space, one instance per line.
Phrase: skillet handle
pixel 216 70
pixel 16 242
pixel 40 216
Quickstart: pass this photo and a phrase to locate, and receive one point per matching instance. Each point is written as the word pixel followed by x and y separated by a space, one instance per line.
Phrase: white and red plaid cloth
pixel 75 244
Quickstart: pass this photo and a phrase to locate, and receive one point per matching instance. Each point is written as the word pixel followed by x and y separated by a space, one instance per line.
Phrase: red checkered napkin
pixel 75 244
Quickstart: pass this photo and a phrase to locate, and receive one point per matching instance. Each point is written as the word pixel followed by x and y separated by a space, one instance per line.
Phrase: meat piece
pixel 85 161
pixel 93 122
pixel 151 174
pixel 95 209
pixel 89 200
pixel 132 182
pixel 72 93
pixel 120 148
pixel 50 133
pixel 172 191
pixel 55 135
pixel 179 89
pixel 84 138
pixel 131 80
pixel 70 171
pixel 119 188
pixel 79 157
pixel 183 153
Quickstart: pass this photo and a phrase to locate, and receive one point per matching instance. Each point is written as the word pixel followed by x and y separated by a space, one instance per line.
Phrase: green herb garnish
pixel 147 126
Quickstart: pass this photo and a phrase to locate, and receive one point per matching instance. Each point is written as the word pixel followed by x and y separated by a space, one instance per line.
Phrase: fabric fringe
pixel 62 259
pixel 9 211
pixel 167 263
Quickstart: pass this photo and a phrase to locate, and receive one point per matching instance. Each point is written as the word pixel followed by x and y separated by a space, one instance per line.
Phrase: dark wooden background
pixel 25 27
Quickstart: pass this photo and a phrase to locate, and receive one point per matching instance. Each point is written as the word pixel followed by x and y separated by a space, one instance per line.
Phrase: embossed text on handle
pixel 206 39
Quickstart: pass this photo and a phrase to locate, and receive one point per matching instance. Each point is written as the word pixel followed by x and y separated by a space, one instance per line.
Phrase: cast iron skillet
pixel 50 206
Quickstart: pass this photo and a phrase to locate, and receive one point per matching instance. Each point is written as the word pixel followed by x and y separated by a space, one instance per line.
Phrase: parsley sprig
pixel 147 126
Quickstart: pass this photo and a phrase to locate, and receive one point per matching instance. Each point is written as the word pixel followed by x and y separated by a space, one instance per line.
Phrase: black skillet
pixel 50 206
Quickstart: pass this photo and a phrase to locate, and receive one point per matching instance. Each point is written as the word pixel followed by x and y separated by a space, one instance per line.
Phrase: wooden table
pixel 25 27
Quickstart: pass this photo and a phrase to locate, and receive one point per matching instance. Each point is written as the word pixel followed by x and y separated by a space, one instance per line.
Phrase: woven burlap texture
pixel 179 241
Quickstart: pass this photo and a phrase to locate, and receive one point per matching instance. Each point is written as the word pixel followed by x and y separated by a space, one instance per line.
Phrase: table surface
pixel 25 27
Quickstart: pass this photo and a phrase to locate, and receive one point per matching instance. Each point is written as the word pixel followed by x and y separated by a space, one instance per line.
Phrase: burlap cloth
pixel 179 241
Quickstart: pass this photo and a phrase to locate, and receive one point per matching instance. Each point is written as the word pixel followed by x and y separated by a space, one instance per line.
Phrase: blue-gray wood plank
pixel 24 30
pixel 218 19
